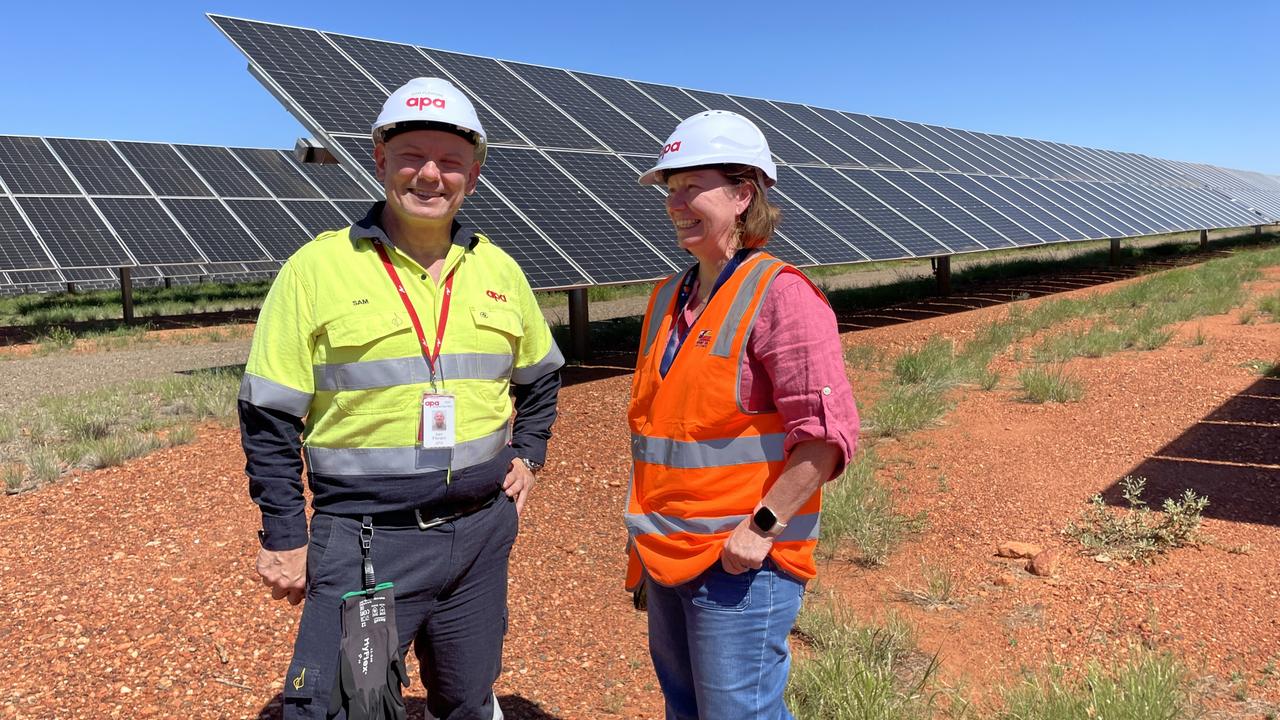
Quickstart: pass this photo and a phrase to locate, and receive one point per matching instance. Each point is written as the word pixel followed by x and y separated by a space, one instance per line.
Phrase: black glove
pixel 371 671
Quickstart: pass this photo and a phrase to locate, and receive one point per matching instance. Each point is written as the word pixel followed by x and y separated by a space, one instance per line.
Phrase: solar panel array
pixel 74 210
pixel 558 191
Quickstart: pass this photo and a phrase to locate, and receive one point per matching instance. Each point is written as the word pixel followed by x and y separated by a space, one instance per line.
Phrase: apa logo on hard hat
pixel 669 148
pixel 425 102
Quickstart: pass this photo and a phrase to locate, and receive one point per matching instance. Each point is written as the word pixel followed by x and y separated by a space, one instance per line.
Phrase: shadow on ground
pixel 1231 456
pixel 514 707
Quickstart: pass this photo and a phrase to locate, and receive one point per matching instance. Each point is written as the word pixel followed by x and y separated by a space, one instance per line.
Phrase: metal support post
pixel 942 270
pixel 126 293
pixel 579 341
pixel 168 282
pixel 71 288
pixel 1115 251
pixel 1257 230
pixel 1204 239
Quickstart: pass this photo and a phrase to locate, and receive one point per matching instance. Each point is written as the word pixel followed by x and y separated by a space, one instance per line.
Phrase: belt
pixel 430 516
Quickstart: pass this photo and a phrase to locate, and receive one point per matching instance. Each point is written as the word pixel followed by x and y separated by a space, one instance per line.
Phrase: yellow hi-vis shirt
pixel 335 345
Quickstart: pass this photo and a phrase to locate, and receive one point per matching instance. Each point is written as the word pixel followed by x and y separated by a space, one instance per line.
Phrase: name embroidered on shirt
pixel 361 301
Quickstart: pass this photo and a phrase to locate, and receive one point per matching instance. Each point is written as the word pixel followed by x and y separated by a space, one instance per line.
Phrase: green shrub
pixel 858 507
pixel 1146 687
pixel 1135 533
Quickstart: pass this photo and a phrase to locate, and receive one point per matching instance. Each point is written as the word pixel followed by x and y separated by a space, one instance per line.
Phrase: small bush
pixel 42 463
pixel 56 338
pixel 1050 385
pixel 1270 305
pixel 15 475
pixel 1135 534
pixel 180 435
pixel 933 364
pixel 863 357
pixel 1265 368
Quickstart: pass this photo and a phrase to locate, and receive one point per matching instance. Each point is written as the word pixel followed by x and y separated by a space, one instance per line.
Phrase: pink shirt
pixel 795 363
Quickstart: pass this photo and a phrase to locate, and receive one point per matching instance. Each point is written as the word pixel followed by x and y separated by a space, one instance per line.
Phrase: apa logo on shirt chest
pixel 496 295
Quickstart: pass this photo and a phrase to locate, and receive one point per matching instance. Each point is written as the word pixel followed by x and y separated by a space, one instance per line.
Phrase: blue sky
pixel 1183 80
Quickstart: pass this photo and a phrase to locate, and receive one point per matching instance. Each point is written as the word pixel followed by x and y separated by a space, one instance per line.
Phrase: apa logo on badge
pixel 704 339
pixel 425 102
pixel 669 148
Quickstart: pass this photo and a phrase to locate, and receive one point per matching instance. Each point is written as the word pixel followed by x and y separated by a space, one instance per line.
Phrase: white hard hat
pixel 714 137
pixel 425 102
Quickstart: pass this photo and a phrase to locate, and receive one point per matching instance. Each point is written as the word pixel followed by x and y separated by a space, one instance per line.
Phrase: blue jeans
pixel 719 643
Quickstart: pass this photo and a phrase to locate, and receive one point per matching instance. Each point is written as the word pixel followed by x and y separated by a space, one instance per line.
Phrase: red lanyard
pixel 431 355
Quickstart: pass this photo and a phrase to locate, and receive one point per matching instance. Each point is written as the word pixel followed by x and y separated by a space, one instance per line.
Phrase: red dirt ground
pixel 130 591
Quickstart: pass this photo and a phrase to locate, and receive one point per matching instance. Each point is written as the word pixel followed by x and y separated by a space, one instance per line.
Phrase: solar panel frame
pixel 333 181
pixel 865 238
pixel 876 212
pixel 73 231
pixel 20 245
pixel 165 171
pixel 1044 215
pixel 1075 189
pixel 955 148
pixel 97 168
pixel 540 121
pixel 887 130
pixel 275 228
pixel 222 171
pixel 1086 213
pixel 338 95
pixel 394 64
pixel 856 125
pixel 215 230
pixel 676 100
pixel 797 131
pixel 642 109
pixel 810 236
pixel 954 212
pixel 1065 214
pixel 564 210
pixel 316 216
pixel 281 177
pixel 614 128
pixel 148 230
pixel 1016 233
pixel 28 166
pixel 782 146
pixel 1108 203
pixel 1007 207
pixel 919 214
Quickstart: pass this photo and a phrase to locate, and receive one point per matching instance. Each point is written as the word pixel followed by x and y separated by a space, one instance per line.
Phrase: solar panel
pixel 147 231
pixel 339 97
pixel 215 230
pixel 592 236
pixel 163 169
pixel 393 64
pixel 274 228
pixel 316 216
pixel 100 170
pixel 868 240
pixel 222 171
pixel 274 169
pixel 604 121
pixel 74 233
pixel 543 264
pixel 19 248
pixel 875 212
pixel 332 180
pixel 27 166
pixel 571 201
pixel 526 109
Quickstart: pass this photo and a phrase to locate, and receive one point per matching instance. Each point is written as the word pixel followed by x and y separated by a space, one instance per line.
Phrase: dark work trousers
pixel 450 602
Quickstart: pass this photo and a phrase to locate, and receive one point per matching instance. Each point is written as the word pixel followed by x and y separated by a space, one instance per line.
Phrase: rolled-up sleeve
pixel 795 363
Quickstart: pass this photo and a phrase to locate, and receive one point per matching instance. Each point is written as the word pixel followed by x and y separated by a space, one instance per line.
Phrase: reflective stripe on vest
pixel 708 453
pixel 413 460
pixel 265 393
pixel 801 527
pixel 741 301
pixel 662 300
pixel 411 370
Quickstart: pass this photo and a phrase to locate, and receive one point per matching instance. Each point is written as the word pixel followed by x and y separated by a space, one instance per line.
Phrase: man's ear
pixel 380 161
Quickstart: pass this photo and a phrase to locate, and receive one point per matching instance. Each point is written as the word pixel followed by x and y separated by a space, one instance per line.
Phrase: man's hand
pixel 518 483
pixel 285 572
pixel 745 549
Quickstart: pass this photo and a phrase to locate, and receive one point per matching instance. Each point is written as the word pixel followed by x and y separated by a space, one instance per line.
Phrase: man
pixel 395 346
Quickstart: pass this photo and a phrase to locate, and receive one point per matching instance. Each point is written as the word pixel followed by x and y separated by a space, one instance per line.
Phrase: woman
pixel 740 411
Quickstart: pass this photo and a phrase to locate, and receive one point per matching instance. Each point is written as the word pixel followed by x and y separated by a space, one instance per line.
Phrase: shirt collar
pixel 370 228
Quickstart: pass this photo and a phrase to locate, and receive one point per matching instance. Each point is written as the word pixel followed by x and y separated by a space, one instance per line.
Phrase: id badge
pixel 438 421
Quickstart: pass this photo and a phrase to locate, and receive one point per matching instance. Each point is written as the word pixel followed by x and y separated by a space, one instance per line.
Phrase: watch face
pixel 764 519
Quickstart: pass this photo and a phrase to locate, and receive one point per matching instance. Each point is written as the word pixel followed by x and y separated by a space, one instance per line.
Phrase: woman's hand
pixel 745 549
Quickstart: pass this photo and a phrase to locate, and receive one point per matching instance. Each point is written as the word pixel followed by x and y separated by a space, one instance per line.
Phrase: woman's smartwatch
pixel 767 523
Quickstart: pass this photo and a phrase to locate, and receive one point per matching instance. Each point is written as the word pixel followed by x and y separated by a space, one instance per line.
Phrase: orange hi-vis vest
pixel 700 461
